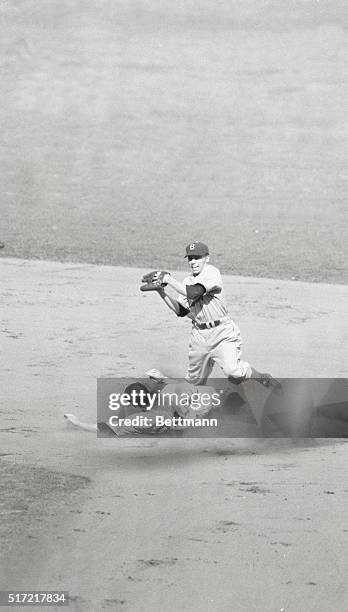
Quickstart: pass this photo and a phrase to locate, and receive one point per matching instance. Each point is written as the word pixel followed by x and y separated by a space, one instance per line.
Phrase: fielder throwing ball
pixel 215 337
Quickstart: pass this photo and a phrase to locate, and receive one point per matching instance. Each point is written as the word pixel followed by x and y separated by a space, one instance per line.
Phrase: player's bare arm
pixel 171 302
pixel 157 281
pixel 175 284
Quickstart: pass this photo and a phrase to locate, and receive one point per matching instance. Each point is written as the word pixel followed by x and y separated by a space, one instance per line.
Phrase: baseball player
pixel 179 405
pixel 215 337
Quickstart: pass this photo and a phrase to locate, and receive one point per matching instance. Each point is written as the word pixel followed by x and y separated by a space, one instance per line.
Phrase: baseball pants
pixel 221 345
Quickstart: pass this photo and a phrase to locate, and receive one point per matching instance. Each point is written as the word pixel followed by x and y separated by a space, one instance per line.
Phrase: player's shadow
pixel 168 453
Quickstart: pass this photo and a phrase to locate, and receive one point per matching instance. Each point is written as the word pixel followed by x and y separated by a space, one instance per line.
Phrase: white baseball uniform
pixel 220 341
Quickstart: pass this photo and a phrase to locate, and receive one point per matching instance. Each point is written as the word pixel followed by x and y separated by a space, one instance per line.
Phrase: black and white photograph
pixel 174 298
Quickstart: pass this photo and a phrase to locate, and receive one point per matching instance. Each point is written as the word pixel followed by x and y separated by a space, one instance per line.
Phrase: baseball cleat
pixel 156 375
pixel 268 381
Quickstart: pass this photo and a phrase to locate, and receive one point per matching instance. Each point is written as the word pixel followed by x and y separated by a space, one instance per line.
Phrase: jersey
pixel 212 305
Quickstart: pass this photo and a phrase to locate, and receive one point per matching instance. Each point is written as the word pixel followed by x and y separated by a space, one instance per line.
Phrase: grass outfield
pixel 128 132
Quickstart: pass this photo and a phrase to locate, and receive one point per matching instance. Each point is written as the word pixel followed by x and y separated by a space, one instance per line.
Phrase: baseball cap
pixel 197 248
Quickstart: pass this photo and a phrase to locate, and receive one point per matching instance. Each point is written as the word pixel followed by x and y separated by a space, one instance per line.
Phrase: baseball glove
pixel 153 280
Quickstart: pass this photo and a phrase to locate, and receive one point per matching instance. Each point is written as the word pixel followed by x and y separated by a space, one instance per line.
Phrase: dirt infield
pixel 162 524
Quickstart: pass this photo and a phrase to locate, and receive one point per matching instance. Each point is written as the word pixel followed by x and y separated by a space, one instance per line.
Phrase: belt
pixel 210 323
